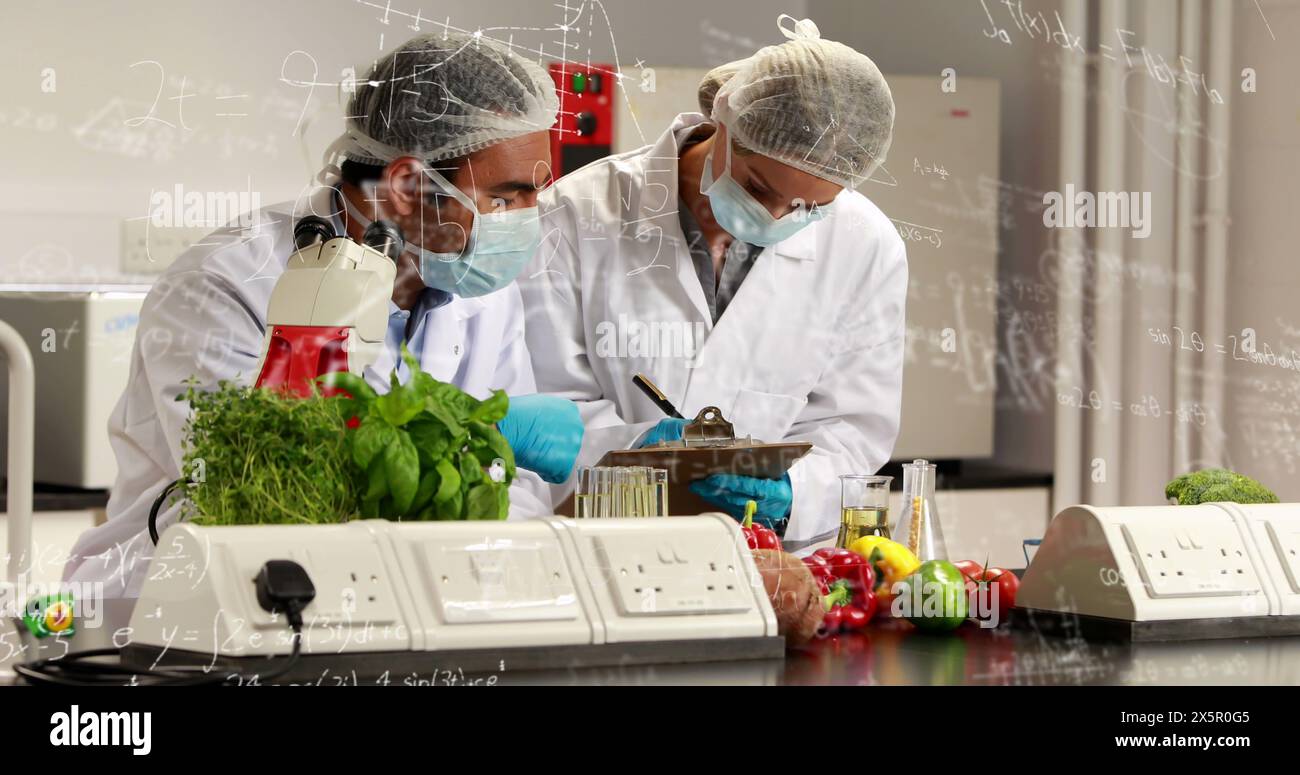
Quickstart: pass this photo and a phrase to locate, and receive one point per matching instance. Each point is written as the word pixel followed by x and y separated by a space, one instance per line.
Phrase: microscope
pixel 329 310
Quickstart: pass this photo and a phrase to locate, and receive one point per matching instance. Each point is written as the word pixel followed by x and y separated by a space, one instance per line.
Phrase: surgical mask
pixel 497 249
pixel 743 217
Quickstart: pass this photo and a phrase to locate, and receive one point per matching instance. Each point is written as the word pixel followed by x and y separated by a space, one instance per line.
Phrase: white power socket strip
pixel 435 586
pixel 1218 560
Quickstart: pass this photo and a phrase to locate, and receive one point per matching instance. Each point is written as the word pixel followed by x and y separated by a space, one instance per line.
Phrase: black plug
pixel 284 586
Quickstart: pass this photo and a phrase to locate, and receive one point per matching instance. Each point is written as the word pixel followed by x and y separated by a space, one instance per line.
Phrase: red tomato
pixel 1005 586
pixel 970 569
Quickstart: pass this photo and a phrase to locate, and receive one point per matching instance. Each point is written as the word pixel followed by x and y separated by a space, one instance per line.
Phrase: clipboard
pixel 708 446
pixel 686 464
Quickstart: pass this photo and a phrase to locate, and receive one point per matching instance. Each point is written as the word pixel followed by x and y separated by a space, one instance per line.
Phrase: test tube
pixel 629 495
pixel 620 491
pixel 642 496
pixel 661 491
pixel 618 507
pixel 600 505
pixel 582 494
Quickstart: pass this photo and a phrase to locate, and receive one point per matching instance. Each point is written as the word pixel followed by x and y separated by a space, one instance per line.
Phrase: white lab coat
pixel 206 317
pixel 810 348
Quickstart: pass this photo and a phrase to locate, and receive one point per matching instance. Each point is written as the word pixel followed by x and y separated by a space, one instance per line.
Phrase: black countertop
pixel 976 474
pixel 889 653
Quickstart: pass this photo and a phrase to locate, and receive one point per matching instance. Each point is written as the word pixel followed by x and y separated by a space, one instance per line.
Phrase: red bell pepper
pixel 853 568
pixel 847 585
pixel 821 571
pixel 757 536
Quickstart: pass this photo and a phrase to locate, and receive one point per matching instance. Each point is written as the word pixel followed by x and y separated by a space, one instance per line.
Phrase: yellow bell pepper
pixel 891 561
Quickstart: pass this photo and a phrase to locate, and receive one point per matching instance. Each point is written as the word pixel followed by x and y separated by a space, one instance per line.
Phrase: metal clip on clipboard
pixel 710 429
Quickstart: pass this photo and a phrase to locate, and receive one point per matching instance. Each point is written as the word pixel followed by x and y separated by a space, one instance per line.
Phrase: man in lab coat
pixel 444 130
pixel 733 263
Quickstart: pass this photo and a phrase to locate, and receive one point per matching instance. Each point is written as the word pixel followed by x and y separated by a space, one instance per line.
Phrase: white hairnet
pixel 440 97
pixel 814 104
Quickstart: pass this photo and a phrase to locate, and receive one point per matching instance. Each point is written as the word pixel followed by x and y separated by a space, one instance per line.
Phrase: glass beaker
pixel 864 507
pixel 918 526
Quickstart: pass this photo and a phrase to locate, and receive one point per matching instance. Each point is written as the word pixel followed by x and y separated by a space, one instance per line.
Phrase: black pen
pixel 656 395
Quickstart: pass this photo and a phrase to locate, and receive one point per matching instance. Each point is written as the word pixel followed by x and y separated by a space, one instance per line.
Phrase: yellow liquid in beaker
pixel 858 522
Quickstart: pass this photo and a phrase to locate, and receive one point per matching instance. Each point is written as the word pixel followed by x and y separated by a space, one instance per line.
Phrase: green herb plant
pixel 256 456
pixel 426 450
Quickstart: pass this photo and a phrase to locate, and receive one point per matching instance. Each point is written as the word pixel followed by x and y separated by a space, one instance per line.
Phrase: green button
pixel 579 83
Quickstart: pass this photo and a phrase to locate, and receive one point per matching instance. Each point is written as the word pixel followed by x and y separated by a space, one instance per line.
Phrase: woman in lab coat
pixel 733 263
pixel 454 302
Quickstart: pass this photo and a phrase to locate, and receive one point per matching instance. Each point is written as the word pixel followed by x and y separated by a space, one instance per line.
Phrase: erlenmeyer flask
pixel 918 527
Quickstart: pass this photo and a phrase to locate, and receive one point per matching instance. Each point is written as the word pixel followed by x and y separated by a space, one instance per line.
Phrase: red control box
pixel 585 129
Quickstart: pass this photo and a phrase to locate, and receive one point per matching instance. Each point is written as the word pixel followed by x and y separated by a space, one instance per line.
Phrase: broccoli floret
pixel 1186 489
pixel 1217 484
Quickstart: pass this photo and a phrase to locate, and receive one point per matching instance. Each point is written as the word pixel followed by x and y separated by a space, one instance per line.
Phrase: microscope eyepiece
pixel 385 237
pixel 312 230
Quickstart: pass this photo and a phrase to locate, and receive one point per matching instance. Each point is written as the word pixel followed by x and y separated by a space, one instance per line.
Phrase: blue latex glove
pixel 545 433
pixel 730 492
pixel 667 429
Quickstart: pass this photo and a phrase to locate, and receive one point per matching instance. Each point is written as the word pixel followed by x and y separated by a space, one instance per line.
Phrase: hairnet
pixel 814 104
pixel 441 97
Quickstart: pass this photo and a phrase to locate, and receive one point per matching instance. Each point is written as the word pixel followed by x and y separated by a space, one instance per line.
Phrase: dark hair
pixel 358 173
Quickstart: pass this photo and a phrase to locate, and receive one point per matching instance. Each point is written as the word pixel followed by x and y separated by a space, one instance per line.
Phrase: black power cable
pixel 283 586
pixel 157 505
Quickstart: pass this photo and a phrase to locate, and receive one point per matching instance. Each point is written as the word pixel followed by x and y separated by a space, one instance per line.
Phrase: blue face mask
pixel 740 214
pixel 497 249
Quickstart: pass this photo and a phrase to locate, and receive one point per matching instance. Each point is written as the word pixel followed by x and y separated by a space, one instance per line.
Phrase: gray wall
pixel 73 169
pixel 922 37
pixel 1263 261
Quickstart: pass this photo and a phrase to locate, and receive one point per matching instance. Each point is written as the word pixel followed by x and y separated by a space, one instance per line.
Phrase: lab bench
pixel 888 653
pixel 55 497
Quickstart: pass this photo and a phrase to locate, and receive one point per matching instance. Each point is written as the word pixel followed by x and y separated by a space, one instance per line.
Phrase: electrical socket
pixel 682 578
pixel 1275 530
pixel 352 586
pixel 149 249
pixel 1286 543
pixel 1200 556
pixel 666 576
pixel 513 579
